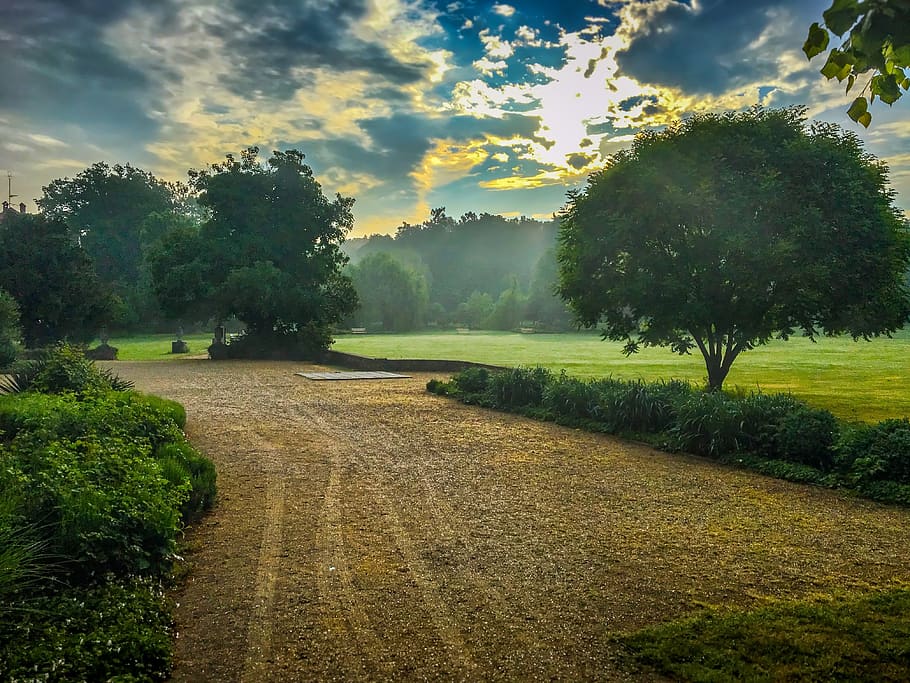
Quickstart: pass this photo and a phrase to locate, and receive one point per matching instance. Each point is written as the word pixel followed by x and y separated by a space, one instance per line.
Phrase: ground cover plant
pixel 96 485
pixel 776 434
pixel 832 373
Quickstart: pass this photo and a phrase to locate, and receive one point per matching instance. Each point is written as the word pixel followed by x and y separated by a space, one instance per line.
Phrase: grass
pixel 157 346
pixel 849 638
pixel 861 381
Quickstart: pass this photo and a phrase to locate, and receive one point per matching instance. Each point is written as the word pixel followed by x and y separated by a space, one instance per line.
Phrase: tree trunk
pixel 717 373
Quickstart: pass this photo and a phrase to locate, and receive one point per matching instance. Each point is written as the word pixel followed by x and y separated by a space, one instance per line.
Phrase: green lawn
pixel 861 638
pixel 157 346
pixel 855 380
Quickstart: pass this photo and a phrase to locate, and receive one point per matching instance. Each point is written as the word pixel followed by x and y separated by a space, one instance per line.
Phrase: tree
pixel 877 42
pixel 53 280
pixel 117 212
pixel 10 332
pixel 390 293
pixel 724 231
pixel 509 309
pixel 269 255
pixel 544 304
pixel 475 310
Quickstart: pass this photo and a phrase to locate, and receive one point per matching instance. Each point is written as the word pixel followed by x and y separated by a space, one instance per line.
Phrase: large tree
pixel 269 254
pixel 53 281
pixel 874 51
pixel 117 212
pixel 724 231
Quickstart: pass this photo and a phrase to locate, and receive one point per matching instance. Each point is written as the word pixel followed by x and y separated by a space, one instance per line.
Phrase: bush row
pixel 95 486
pixel 773 433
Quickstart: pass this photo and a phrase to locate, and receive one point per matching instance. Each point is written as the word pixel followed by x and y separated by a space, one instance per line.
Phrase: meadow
pixel 863 381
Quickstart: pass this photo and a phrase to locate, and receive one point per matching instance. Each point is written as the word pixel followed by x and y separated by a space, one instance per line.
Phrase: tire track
pixel 259 634
pixel 334 572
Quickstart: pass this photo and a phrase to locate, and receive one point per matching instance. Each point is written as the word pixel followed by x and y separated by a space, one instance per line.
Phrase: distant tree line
pixel 480 271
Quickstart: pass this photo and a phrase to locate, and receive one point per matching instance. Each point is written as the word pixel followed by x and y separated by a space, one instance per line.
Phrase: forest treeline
pixel 480 271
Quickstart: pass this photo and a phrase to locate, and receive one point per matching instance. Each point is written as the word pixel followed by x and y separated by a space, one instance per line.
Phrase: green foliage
pixel 390 293
pixel 181 463
pixel 95 486
pixel 850 638
pixel 269 254
pixel 475 310
pixel 875 40
pixel 721 232
pixel 472 380
pixel 509 310
pixel 637 406
pixel 460 256
pixel 10 332
pixel 103 502
pixel 119 211
pixel 572 398
pixel 118 631
pixel 59 369
pixel 871 453
pixel 518 387
pixel 710 424
pixel 52 279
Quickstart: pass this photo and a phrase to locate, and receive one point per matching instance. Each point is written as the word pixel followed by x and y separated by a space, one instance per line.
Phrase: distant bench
pixel 358 330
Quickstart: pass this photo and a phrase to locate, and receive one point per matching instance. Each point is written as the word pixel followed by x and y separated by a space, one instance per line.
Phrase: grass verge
pixel 853 638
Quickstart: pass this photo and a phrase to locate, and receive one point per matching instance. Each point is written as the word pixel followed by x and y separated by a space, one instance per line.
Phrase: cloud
pixel 503 10
pixel 708 47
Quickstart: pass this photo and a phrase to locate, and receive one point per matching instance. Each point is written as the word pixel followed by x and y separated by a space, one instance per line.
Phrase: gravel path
pixel 367 530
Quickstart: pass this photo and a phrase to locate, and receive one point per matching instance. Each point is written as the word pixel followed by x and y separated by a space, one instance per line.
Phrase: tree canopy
pixel 390 293
pixel 269 254
pixel 875 40
pixel 724 231
pixel 117 212
pixel 53 281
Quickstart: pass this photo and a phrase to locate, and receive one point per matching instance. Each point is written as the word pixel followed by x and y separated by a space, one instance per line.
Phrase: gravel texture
pixel 367 530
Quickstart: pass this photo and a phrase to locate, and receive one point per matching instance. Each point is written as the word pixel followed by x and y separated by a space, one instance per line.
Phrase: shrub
pixel 569 397
pixel 518 387
pixel 103 503
pixel 878 452
pixel 709 423
pixel 118 631
pixel 472 380
pixel 435 386
pixel 181 463
pixel 806 435
pixel 61 369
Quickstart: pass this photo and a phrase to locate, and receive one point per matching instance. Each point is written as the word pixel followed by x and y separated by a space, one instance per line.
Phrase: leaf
pixel 865 120
pixel 886 87
pixel 858 108
pixel 839 65
pixel 816 42
pixel 841 16
pixel 850 81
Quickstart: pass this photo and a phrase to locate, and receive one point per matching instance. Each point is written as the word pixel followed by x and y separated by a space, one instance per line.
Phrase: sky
pixel 405 105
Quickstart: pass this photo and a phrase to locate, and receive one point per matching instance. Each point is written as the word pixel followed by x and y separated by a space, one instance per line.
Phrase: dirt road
pixel 370 531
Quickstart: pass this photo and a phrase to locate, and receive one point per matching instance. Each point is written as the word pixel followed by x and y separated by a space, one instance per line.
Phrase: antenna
pixel 9 189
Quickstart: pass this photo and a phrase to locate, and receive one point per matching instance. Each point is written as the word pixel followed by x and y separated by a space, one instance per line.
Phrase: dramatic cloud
pixel 403 104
